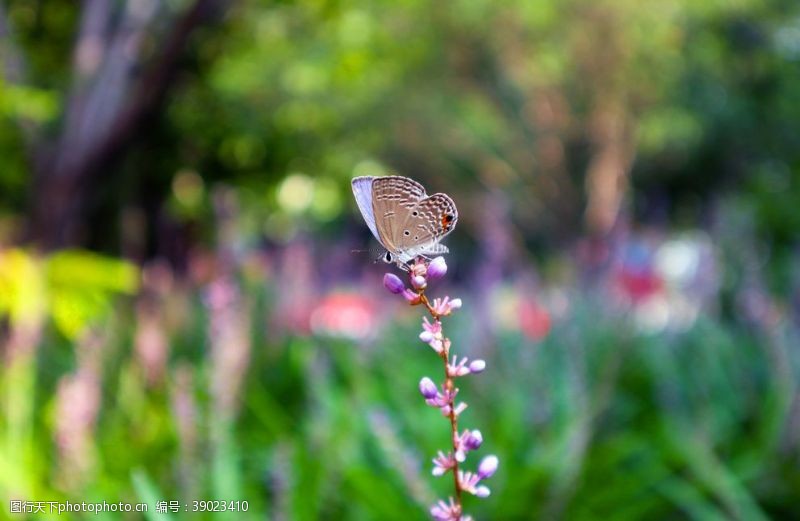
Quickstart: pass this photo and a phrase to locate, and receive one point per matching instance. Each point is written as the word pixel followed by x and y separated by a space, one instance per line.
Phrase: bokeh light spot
pixel 188 188
pixel 296 193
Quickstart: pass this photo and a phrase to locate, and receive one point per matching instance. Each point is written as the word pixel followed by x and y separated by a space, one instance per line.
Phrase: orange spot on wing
pixel 446 220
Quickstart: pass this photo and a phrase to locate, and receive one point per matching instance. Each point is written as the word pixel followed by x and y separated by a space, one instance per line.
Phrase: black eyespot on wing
pixel 388 257
pixel 406 233
pixel 415 213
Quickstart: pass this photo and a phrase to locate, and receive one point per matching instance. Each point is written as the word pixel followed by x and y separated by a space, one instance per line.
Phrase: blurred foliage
pixel 75 288
pixel 595 421
pixel 106 399
pixel 299 96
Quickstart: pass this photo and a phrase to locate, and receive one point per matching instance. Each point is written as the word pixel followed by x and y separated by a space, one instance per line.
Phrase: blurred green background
pixel 182 316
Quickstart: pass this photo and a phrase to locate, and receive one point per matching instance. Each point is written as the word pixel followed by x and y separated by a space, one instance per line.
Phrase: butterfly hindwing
pixel 426 223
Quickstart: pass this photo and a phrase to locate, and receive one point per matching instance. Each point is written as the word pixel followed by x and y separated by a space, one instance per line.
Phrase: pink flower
pixel 432 335
pixel 442 463
pixel 445 306
pixel 469 483
pixel 450 511
pixel 456 368
pixel 434 329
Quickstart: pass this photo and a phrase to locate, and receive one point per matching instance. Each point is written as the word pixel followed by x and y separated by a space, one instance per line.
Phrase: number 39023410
pixel 219 506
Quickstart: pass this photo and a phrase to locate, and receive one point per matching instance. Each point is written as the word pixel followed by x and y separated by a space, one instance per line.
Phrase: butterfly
pixel 406 221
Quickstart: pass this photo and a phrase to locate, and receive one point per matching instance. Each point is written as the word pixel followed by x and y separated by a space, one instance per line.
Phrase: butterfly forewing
pixel 393 197
pixel 362 190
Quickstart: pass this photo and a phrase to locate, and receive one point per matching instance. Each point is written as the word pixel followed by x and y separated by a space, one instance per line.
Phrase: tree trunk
pixel 109 101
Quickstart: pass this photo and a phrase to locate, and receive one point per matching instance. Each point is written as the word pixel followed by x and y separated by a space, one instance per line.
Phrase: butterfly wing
pixel 362 190
pixel 426 223
pixel 393 198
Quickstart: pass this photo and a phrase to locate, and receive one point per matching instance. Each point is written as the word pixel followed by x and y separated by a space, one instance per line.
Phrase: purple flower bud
pixel 427 388
pixel 476 366
pixel 482 491
pixel 437 268
pixel 473 440
pixel 393 283
pixel 488 466
pixel 419 282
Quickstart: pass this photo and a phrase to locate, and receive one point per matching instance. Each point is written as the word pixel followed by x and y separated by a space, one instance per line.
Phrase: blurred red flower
pixel 534 319
pixel 638 285
pixel 342 314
